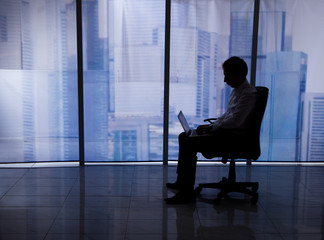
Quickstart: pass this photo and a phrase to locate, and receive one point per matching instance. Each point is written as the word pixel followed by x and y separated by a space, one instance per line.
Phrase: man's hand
pixel 204 128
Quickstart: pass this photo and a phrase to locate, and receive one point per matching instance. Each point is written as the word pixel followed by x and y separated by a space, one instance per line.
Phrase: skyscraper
pixel 16 47
pixel 60 82
pixel 281 132
pixel 96 83
pixel 312 145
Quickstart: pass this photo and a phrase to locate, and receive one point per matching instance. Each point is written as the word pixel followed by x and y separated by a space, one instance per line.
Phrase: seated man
pixel 240 106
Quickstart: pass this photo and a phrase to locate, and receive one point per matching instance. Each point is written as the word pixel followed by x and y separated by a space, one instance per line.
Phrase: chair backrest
pixel 256 121
pixel 245 145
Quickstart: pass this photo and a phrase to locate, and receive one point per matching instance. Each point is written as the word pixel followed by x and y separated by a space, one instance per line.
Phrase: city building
pixel 312 144
pixel 286 78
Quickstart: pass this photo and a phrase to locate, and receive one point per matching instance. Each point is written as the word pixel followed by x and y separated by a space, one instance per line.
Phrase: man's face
pixel 232 80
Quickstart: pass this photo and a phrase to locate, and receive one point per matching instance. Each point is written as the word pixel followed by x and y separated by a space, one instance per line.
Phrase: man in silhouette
pixel 241 103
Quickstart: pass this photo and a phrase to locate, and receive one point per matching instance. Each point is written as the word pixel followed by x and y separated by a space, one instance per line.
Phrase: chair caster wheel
pixel 254 199
pixel 198 190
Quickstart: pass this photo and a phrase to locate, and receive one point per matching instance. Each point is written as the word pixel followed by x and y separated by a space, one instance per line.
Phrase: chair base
pixel 228 186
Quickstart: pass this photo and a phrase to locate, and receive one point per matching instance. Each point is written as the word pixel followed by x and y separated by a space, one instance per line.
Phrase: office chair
pixel 239 144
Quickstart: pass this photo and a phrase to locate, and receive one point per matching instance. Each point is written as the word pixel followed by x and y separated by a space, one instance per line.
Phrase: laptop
pixel 184 123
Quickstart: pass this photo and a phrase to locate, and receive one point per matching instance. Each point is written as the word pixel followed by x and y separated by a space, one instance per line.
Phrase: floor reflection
pixel 231 227
pixel 82 202
pixel 126 203
pixel 322 225
pixel 185 222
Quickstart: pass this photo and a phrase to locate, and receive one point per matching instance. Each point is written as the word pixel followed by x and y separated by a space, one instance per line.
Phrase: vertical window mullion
pixel 255 41
pixel 80 80
pixel 166 81
pixel 254 52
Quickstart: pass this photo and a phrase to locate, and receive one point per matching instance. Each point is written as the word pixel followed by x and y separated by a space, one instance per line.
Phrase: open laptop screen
pixel 184 122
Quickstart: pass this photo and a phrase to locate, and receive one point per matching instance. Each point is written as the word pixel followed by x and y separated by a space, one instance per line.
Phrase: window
pixel 203 35
pixel 289 55
pixel 123 57
pixel 38 102
pixel 123 79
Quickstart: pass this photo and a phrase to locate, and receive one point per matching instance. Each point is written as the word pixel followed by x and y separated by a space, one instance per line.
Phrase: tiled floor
pixel 126 202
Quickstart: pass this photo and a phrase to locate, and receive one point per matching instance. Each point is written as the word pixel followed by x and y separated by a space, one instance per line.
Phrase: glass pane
pixel 203 35
pixel 123 79
pixel 289 63
pixel 38 100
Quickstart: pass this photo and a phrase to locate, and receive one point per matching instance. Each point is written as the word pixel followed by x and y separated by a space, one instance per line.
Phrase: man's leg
pixel 187 161
pixel 186 170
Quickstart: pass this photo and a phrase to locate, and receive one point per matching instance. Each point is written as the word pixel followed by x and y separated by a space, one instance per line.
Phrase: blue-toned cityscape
pixel 123 52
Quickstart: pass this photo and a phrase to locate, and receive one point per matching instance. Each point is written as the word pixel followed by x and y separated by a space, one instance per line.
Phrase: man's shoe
pixel 175 186
pixel 182 197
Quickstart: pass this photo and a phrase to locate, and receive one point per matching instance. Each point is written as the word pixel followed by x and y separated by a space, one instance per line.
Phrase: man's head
pixel 235 71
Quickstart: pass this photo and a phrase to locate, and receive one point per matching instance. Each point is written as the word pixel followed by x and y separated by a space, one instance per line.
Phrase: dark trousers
pixel 187 160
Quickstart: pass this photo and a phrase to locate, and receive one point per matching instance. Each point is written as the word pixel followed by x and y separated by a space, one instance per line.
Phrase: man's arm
pixel 237 116
pixel 204 128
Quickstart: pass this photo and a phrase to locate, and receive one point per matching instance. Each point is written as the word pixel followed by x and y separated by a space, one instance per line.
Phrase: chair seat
pixel 237 144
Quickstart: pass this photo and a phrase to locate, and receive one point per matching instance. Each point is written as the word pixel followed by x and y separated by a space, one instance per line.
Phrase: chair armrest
pixel 210 120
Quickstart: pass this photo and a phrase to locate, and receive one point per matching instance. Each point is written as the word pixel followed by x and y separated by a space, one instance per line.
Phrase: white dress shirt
pixel 241 102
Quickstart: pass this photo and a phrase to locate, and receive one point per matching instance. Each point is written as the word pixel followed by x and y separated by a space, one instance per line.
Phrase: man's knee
pixel 190 144
pixel 182 136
